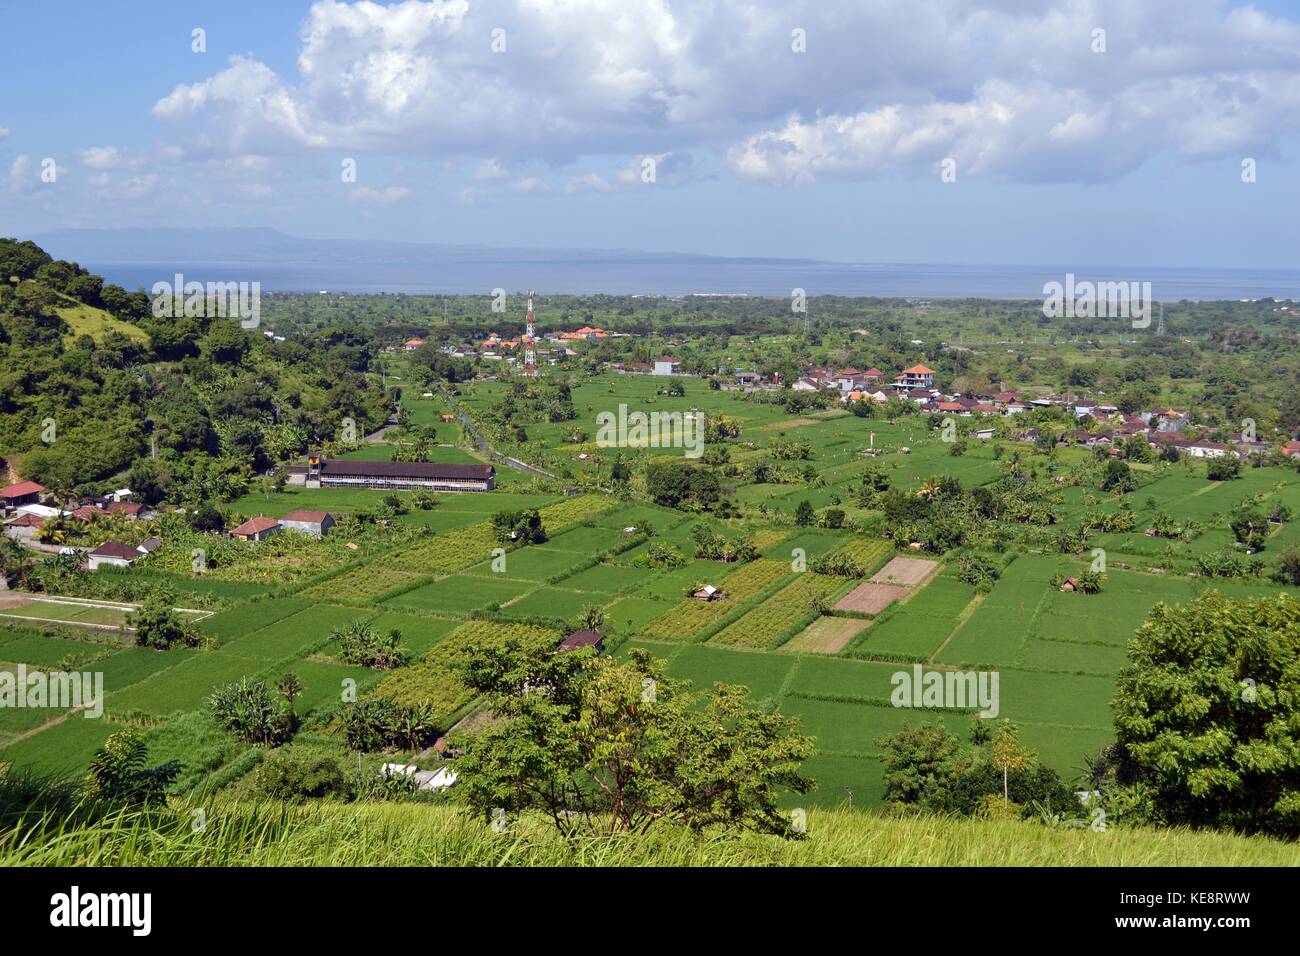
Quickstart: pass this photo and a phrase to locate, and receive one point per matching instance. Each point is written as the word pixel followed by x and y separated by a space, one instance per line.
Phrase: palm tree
pixel 593 617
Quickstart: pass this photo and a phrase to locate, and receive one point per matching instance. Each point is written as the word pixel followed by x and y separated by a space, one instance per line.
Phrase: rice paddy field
pixel 824 648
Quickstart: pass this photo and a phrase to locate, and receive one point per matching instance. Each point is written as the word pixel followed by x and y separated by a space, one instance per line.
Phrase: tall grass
pixel 412 834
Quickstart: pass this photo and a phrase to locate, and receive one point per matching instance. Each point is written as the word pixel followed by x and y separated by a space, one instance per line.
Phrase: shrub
pixel 803 514
pixel 249 710
pixel 978 571
pixel 522 527
pixel 840 565
pixel 1288 567
pixel 1228 564
pixel 382 724
pixel 294 774
pixel 1250 528
pixel 158 626
pixel 660 555
pixel 1223 469
pixel 361 644
pixel 118 772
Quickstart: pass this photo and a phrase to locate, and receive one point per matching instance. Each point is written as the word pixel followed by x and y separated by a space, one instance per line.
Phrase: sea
pixel 685 277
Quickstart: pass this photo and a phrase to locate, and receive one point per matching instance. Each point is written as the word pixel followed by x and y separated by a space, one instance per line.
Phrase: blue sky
pixel 1063 153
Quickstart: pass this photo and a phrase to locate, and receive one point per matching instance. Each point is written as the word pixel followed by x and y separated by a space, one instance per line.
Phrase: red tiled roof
pixel 22 488
pixel 255 525
pixel 124 507
pixel 27 521
pixel 918 370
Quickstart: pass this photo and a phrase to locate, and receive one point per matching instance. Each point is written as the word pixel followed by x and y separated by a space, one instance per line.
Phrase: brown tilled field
pixel 826 635
pixel 870 597
pixel 908 572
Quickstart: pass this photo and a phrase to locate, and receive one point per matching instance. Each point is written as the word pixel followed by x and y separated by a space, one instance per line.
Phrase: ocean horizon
pixel 657 277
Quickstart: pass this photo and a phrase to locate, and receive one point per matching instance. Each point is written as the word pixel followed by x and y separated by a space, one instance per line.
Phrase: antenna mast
pixel 530 357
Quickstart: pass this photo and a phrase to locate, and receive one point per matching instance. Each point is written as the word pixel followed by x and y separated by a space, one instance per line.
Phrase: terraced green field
pixel 1056 653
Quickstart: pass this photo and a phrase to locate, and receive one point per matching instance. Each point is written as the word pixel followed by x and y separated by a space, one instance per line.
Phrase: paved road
pixel 481 443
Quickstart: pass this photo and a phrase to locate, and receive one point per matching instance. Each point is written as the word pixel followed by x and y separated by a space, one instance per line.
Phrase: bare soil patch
pixel 826 635
pixel 907 572
pixel 870 597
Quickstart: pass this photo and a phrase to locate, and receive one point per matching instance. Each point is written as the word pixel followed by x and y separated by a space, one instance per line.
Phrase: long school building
pixel 401 475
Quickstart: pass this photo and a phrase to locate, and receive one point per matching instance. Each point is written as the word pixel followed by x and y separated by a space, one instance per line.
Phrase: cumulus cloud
pixel 490 170
pixel 660 169
pixel 108 158
pixel 1006 89
pixel 386 196
pixel 4 131
pixel 22 175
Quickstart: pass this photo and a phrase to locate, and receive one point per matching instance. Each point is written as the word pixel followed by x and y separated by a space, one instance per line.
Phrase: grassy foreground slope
pixel 386 834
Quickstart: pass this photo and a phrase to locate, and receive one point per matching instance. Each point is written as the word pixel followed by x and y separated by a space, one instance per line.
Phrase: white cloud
pixel 490 170
pixel 245 108
pixel 22 175
pixel 640 172
pixel 383 197
pixel 107 157
pixel 4 131
pixel 1008 89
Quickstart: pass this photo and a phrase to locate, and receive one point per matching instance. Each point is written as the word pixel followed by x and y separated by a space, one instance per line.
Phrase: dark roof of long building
pixel 406 469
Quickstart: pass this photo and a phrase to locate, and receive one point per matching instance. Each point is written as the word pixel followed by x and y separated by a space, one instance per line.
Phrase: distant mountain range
pixel 270 245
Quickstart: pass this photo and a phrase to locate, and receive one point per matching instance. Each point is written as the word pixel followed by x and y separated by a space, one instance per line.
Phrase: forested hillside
pixel 92 385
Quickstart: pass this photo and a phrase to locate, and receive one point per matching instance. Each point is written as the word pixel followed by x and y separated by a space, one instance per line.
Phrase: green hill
pixel 421 834
pixel 84 319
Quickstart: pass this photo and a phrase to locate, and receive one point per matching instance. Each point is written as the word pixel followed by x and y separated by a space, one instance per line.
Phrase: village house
pixel 707 593
pixel 664 365
pixel 918 376
pixel 129 509
pixel 149 545
pixel 1208 449
pixel 582 638
pixel 112 553
pixel 256 529
pixel 24 528
pixel 1248 446
pixel 22 493
pixel 1088 440
pixel 314 523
